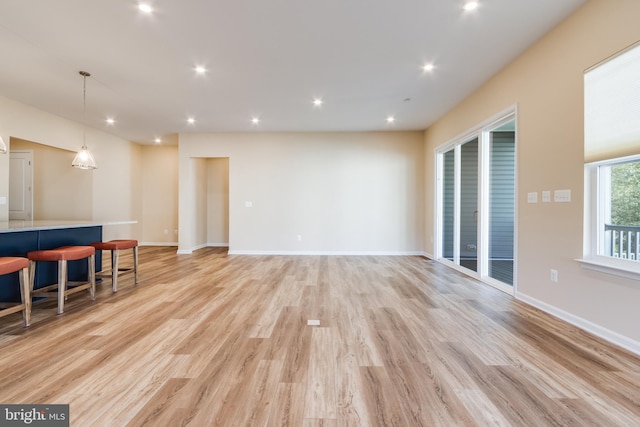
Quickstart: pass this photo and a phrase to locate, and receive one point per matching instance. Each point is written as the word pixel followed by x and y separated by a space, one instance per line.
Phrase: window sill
pixel 608 268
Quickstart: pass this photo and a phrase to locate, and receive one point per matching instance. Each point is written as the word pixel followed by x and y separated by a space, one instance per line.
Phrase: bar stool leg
pixel 32 274
pixel 92 276
pixel 135 265
pixel 62 284
pixel 115 265
pixel 25 295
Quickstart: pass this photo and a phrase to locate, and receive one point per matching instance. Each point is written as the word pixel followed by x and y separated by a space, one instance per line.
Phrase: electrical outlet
pixel 554 275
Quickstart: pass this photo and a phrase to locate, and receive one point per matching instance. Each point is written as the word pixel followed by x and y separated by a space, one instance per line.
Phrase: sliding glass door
pixel 502 144
pixel 468 235
pixel 448 203
pixel 476 212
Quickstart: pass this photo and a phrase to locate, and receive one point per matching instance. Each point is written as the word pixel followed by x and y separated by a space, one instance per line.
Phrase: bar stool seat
pixel 115 246
pixel 64 288
pixel 10 265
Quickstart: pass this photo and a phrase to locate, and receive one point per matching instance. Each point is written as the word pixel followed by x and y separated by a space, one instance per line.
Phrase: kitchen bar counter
pixel 19 237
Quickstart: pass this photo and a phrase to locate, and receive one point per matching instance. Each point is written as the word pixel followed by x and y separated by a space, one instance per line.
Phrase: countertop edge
pixel 20 226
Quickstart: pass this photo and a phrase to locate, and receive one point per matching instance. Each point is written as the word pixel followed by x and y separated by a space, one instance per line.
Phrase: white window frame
pixel 597 210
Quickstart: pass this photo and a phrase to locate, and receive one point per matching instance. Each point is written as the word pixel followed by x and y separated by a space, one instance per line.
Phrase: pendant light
pixel 84 159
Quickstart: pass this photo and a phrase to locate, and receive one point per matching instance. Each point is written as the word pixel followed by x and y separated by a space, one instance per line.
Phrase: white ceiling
pixel 266 58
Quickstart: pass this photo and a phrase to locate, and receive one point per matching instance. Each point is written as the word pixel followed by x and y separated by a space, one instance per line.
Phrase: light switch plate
pixel 532 197
pixel 562 196
pixel 3 200
pixel 248 204
pixel 546 196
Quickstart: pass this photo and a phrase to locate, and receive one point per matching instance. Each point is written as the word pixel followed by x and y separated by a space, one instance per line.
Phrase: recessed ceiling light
pixel 191 120
pixel 391 119
pixel 255 120
pixel 471 6
pixel 317 102
pixel 157 140
pixel 428 67
pixel 110 120
pixel 200 69
pixel 145 8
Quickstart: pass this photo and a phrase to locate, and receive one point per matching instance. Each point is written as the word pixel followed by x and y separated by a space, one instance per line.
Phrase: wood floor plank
pixel 286 410
pixel 153 412
pixel 320 400
pixel 211 339
pixel 483 411
pixel 382 405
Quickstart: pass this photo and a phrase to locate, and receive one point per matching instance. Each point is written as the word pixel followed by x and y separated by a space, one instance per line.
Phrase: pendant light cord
pixel 84 75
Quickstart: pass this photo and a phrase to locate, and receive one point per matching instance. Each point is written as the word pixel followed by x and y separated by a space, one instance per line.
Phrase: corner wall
pixel 546 83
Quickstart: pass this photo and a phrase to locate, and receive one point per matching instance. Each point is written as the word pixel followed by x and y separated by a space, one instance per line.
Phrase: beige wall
pixel 199 171
pixel 218 202
pixel 546 83
pixel 116 189
pixel 160 195
pixel 342 192
pixel 60 192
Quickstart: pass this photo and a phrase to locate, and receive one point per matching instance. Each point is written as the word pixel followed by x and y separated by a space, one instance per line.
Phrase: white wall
pixel 116 190
pixel 342 192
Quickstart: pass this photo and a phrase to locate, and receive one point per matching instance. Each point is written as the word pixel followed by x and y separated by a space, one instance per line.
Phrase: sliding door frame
pixel 482 132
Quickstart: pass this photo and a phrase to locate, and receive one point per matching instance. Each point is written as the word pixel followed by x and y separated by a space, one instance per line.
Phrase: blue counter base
pixel 19 243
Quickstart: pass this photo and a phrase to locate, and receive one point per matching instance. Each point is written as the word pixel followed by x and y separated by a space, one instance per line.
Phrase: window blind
pixel 612 107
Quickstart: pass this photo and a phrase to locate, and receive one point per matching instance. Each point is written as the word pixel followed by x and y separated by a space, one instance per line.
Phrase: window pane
pixel 469 205
pixel 620 193
pixel 501 204
pixel 448 204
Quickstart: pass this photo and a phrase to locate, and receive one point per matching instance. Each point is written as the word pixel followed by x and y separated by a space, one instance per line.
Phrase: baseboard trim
pixel 338 253
pixel 597 330
pixel 158 244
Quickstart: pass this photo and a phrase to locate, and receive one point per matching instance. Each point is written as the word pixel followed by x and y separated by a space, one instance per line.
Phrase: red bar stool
pixel 115 246
pixel 63 255
pixel 10 265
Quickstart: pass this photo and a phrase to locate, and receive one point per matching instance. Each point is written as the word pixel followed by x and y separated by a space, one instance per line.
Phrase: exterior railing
pixel 623 241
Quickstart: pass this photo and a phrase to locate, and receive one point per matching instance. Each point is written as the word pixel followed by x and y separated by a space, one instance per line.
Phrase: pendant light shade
pixel 84 159
pixel 3 146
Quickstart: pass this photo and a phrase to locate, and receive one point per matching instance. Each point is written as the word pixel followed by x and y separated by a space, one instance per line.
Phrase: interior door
pixel 21 185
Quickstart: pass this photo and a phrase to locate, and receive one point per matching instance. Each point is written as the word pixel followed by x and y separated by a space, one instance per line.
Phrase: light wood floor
pixel 211 339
